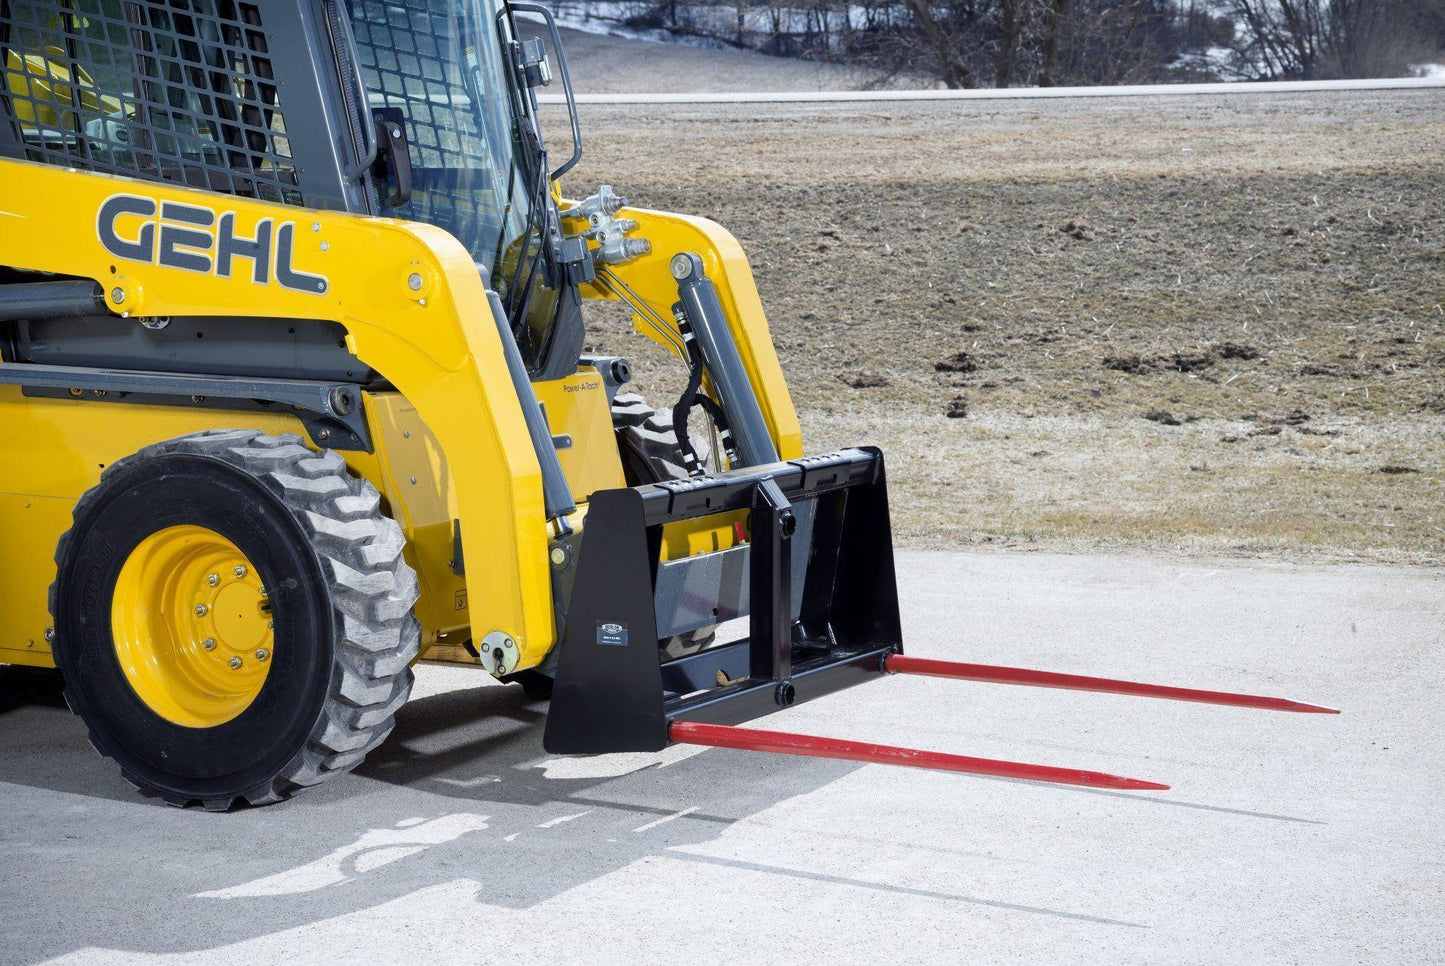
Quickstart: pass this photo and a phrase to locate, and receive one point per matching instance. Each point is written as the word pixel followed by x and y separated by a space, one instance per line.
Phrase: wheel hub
pixel 192 626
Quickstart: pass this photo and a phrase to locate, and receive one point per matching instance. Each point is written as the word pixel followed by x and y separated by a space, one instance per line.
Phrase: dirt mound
pixel 958 362
pixel 1180 361
pixel 864 380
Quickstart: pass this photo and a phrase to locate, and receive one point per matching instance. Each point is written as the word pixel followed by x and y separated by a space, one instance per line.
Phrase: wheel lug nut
pixel 209 643
pixel 261 654
pixel 262 591
pixel 235 663
pixel 202 610
pixel 213 579
pixel 239 571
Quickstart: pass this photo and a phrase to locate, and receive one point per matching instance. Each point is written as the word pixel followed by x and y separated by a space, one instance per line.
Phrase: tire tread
pixel 372 589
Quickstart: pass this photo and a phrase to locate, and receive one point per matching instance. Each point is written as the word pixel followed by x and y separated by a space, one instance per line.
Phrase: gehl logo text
pixel 195 239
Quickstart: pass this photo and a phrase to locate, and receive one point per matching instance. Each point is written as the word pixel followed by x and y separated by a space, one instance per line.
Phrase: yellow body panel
pixel 577 406
pixel 433 337
pixel 55 450
pixel 411 471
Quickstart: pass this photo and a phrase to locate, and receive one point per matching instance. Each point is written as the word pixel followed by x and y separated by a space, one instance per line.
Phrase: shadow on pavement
pixel 22 687
pixel 462 790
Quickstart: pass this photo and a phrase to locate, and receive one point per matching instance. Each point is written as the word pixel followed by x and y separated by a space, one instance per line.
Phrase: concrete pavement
pixel 1287 838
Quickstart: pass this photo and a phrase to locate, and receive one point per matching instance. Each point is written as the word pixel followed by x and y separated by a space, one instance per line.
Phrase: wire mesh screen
pixel 177 90
pixel 416 57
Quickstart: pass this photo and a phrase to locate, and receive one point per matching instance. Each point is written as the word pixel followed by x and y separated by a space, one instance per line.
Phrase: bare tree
pixel 1050 42
pixel 1052 23
pixel 1012 23
pixel 1335 38
pixel 943 44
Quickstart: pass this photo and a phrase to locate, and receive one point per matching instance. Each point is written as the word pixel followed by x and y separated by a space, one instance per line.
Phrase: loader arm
pixel 650 280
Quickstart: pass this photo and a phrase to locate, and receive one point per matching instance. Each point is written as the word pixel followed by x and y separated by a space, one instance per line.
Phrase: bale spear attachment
pixel 753 739
pixel 816 582
pixel 995 674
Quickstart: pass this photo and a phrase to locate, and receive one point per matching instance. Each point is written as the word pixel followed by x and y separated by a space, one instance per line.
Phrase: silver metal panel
pixel 710 588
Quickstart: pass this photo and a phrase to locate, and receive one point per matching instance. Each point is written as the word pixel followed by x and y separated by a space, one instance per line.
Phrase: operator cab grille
pixel 412 58
pixel 180 91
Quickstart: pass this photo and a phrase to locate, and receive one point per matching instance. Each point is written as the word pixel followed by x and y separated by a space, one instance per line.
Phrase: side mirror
pixel 527 6
pixel 393 156
pixel 532 63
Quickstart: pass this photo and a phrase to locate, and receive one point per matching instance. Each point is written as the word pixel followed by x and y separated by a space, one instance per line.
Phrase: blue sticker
pixel 611 633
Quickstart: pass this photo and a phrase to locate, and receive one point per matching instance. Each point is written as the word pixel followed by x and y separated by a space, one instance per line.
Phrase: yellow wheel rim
pixel 192 626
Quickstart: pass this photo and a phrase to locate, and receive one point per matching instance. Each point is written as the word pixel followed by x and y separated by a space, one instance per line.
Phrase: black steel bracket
pixel 614 692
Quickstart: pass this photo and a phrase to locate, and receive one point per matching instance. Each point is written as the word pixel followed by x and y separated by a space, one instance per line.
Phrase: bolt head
pixel 413 281
pixel 117 295
pixel 209 643
pixel 234 663
pixel 213 579
pixel 239 571
pixel 50 633
pixel 681 267
pixel 202 610
pixel 262 654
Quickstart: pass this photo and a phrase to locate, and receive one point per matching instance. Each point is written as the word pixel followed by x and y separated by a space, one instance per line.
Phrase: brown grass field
pixel 1201 325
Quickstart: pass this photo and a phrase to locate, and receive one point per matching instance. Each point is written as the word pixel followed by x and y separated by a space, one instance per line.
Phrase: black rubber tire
pixel 647 442
pixel 341 594
pixel 651 453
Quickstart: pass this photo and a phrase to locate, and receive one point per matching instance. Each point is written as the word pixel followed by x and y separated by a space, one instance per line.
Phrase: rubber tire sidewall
pixel 255 746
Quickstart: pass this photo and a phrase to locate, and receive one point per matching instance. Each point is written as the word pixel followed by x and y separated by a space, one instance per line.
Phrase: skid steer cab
pixel 292 316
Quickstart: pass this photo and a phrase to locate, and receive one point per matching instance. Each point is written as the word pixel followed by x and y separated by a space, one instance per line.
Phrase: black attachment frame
pixel 613 691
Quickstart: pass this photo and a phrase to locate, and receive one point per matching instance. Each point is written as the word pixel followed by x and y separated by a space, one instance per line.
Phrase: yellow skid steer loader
pixel 293 391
